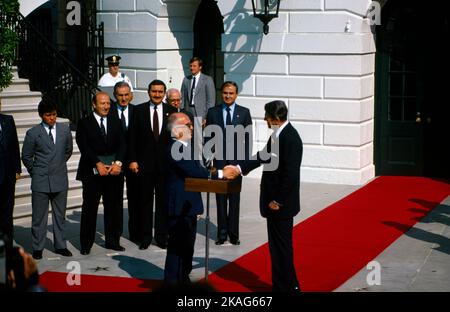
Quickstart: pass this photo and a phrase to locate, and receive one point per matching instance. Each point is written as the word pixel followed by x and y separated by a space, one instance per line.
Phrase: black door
pixel 411 133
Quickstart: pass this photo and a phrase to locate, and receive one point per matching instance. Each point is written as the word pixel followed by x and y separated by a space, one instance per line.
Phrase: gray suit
pixel 47 164
pixel 204 98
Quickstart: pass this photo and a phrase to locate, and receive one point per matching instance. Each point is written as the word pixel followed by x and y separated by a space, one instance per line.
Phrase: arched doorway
pixel 412 107
pixel 208 30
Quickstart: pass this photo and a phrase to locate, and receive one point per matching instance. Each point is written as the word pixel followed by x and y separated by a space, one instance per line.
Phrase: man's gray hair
pixel 121 84
pixel 172 90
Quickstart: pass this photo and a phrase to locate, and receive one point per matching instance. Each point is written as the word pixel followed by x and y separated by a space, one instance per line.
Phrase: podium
pixel 211 186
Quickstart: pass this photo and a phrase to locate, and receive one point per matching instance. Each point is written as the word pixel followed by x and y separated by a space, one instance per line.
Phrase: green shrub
pixel 8 39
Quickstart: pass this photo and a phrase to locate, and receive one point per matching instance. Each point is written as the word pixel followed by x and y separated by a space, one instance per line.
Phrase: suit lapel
pixel 220 116
pixel 4 130
pixel 200 82
pixel 95 125
pixel 236 115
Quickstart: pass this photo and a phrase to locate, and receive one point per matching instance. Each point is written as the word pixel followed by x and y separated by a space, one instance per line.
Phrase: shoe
pixel 235 241
pixel 63 252
pixel 144 245
pixel 162 245
pixel 115 247
pixel 85 252
pixel 220 241
pixel 37 254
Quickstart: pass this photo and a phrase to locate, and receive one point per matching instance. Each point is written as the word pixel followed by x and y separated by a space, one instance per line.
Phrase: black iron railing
pixel 51 73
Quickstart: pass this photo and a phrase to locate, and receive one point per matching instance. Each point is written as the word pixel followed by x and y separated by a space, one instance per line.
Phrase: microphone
pixel 209 160
pixel 195 110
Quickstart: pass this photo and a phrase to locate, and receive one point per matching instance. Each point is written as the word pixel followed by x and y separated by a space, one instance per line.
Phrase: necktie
pixel 155 123
pixel 102 129
pixel 50 134
pixel 192 90
pixel 122 118
pixel 228 120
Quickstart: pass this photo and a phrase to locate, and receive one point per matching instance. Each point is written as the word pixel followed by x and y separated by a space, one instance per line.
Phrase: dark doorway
pixel 62 60
pixel 208 30
pixel 412 108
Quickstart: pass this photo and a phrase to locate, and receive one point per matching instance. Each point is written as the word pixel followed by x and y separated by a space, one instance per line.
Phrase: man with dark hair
pixel 280 191
pixel 124 111
pixel 147 154
pixel 46 149
pixel 235 122
pixel 101 141
pixel 10 170
pixel 197 90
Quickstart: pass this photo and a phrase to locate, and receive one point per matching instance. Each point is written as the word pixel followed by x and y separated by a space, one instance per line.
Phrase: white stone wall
pixel 319 58
pixel 153 37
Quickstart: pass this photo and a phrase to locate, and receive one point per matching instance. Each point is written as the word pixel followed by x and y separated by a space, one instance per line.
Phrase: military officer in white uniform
pixel 114 75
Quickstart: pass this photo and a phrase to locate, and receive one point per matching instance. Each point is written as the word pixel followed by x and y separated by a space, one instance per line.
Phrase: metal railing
pixel 51 73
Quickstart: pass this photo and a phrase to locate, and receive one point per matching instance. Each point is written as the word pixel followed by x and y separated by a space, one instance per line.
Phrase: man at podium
pixel 183 207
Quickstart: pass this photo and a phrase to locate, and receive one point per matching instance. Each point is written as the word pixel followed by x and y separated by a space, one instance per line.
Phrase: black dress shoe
pixel 235 241
pixel 37 254
pixel 220 241
pixel 63 252
pixel 144 245
pixel 115 247
pixel 85 252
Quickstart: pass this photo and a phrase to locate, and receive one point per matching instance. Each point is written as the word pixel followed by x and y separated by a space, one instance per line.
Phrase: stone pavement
pixel 419 260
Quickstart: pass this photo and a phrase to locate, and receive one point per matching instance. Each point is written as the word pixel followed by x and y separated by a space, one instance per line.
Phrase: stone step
pixel 20 97
pixel 23 111
pixel 18 85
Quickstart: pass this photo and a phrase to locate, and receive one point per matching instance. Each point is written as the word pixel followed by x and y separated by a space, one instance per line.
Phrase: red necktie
pixel 155 124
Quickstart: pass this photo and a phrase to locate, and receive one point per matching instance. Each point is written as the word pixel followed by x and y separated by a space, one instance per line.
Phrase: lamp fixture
pixel 266 10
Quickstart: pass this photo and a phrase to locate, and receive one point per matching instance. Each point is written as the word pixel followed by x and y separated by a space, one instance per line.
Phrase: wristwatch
pixel 118 163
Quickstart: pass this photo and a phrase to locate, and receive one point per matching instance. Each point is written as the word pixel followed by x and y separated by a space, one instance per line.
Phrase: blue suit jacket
pixel 283 183
pixel 241 116
pixel 178 201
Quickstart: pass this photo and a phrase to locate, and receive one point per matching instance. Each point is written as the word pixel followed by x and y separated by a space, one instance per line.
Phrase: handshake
pixel 231 172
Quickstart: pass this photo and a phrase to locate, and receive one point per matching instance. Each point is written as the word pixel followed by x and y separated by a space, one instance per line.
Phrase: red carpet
pixel 333 245
pixel 56 282
pixel 329 247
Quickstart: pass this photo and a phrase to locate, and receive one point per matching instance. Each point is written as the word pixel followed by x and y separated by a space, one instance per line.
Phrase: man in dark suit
pixel 124 111
pixel 183 207
pixel 280 191
pixel 10 170
pixel 102 145
pixel 235 122
pixel 46 149
pixel 197 90
pixel 147 154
